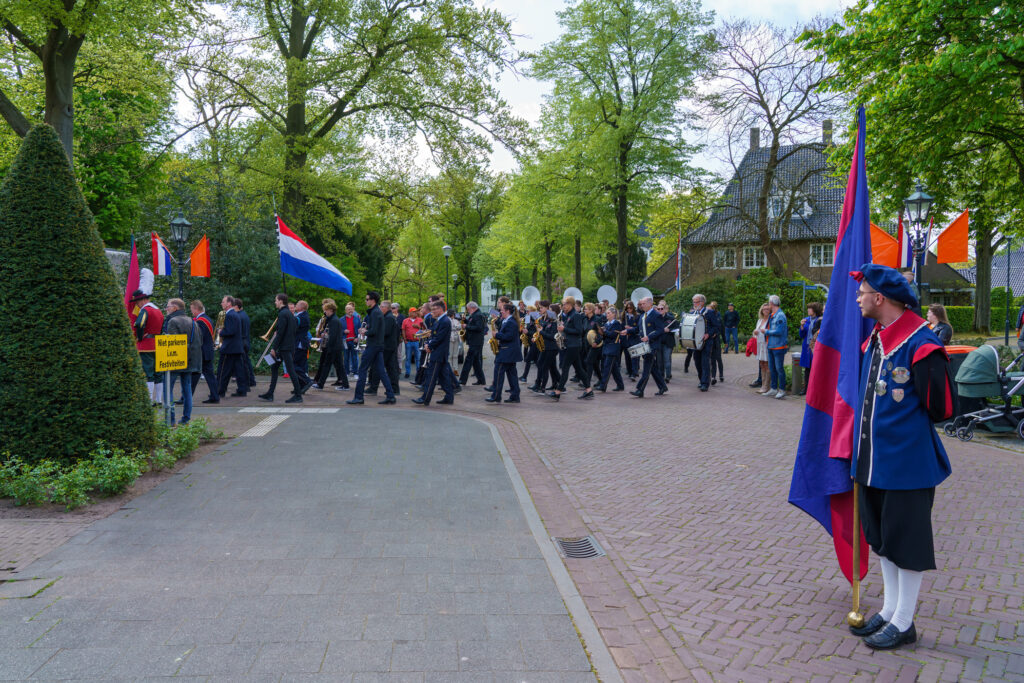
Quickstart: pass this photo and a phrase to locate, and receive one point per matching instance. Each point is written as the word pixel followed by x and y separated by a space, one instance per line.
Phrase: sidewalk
pixel 329 549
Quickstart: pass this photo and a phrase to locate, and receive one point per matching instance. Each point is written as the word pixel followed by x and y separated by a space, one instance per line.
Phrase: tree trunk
pixel 58 57
pixel 578 264
pixel 533 280
pixel 983 269
pixel 548 293
pixel 763 225
pixel 622 241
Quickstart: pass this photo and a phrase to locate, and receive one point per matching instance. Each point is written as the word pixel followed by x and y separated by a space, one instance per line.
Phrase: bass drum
pixel 691 331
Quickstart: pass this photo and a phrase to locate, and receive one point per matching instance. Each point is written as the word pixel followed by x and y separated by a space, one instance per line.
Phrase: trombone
pixel 269 338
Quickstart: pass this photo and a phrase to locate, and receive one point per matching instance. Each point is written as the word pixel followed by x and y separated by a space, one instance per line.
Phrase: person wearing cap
pixel 731 321
pixel 412 324
pixel 147 322
pixel 898 459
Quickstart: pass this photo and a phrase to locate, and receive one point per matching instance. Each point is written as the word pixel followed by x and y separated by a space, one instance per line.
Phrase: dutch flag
pixel 161 256
pixel 299 260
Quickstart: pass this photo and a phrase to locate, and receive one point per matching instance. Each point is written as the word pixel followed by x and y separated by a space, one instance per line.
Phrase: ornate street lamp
pixel 180 228
pixel 447 252
pixel 918 206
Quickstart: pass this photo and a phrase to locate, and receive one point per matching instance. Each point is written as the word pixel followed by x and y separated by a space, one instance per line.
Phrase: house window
pixel 725 258
pixel 753 257
pixel 822 255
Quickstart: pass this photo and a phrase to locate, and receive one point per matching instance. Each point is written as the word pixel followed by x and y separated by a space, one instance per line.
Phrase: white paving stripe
pixel 265 425
pixel 301 411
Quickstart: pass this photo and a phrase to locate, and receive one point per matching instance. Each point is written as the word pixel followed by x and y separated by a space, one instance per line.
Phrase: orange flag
pixel 885 249
pixel 952 247
pixel 200 258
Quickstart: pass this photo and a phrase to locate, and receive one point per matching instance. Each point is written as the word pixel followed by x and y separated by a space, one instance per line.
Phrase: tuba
pixel 218 327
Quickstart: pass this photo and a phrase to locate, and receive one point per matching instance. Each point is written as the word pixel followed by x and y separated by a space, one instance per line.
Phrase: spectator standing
pixel 351 324
pixel 177 321
pixel 412 324
pixel 940 323
pixel 777 338
pixel 762 349
pixel 716 339
pixel 807 328
pixel 731 322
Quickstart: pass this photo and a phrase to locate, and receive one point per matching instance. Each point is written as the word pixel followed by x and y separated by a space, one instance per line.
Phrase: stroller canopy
pixel 978 377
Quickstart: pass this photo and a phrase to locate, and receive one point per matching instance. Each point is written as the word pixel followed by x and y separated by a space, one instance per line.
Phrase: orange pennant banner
pixel 200 258
pixel 885 249
pixel 952 246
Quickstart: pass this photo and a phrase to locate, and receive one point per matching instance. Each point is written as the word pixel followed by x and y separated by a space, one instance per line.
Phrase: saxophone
pixel 538 340
pixel 495 344
pixel 320 339
pixel 218 327
pixel 560 340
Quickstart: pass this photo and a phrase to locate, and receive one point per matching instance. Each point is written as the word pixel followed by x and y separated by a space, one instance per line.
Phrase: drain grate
pixel 579 548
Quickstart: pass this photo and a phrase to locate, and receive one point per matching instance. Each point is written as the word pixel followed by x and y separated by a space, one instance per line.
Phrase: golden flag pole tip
pixel 855 618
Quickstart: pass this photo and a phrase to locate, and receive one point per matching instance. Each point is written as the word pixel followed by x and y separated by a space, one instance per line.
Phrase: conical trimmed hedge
pixel 69 372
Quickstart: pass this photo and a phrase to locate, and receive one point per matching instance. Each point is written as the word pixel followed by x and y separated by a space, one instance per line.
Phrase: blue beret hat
pixel 887 281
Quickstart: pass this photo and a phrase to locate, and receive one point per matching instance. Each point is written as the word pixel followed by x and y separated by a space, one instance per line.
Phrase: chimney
pixel 826 132
pixel 755 138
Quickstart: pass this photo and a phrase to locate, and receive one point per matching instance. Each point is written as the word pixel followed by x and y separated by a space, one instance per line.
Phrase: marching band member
pixel 509 353
pixel 547 363
pixel 572 326
pixel 476 328
pixel 437 347
pixel 612 333
pixel 332 350
pixel 530 353
pixel 631 324
pixel 205 325
pixel 232 348
pixel 650 331
pixel 702 358
pixel 593 322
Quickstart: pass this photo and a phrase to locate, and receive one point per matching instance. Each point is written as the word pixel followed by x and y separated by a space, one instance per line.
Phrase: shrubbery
pixel 107 471
pixel 961 318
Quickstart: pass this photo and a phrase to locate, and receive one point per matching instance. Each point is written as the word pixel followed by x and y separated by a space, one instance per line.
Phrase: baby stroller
pixel 981 377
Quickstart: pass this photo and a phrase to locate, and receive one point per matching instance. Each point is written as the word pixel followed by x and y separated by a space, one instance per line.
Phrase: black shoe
pixel 212 400
pixel 586 394
pixel 306 388
pixel 619 389
pixel 458 388
pixel 446 402
pixel 297 398
pixel 664 391
pixel 355 402
pixel 872 625
pixel 407 375
pixel 512 400
pixel 343 387
pixel 265 397
pixel 240 394
pixel 714 381
pixel 180 402
pixel 553 395
pixel 638 394
pixel 523 379
pixel 387 401
pixel 491 399
pixel 336 384
pixel 686 370
pixel 703 387
pixel 420 402
pixel 755 384
pixel 490 389
pixel 890 638
pixel 479 384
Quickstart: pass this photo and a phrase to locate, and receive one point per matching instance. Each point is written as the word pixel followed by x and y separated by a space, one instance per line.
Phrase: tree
pixel 943 85
pixel 676 213
pixel 764 80
pixel 620 70
pixel 318 70
pixel 54 31
pixel 51 258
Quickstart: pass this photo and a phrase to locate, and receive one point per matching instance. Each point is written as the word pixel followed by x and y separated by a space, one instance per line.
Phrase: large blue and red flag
pixel 821 484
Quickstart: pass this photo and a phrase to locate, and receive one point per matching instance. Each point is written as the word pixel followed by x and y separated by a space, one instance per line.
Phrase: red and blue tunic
pixel 905 386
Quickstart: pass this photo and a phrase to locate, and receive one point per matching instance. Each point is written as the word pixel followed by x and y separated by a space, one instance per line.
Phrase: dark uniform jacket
pixel 374 327
pixel 632 320
pixel 205 325
pixel 669 338
pixel 574 329
pixel 592 323
pixel 335 334
pixel 509 349
pixel 302 330
pixel 440 338
pixel 652 326
pixel 612 340
pixel 476 327
pixel 389 338
pixel 548 330
pixel 231 334
pixel 284 338
pixel 246 330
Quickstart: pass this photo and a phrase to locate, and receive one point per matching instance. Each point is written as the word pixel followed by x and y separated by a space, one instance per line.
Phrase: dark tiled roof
pixel 999 272
pixel 802 166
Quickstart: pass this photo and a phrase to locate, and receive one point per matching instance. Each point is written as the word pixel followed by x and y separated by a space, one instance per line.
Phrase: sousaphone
pixel 640 293
pixel 607 293
pixel 574 293
pixel 530 296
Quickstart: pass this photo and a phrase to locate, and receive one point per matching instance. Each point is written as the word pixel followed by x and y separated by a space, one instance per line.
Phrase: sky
pixel 535 23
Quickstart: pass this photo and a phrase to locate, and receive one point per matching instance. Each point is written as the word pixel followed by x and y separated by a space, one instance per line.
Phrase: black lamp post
pixel 1009 294
pixel 447 252
pixel 455 291
pixel 179 233
pixel 918 206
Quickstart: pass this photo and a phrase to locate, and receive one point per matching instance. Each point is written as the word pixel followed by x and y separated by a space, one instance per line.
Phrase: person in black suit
pixel 438 349
pixel 282 349
pixel 476 328
pixel 668 340
pixel 332 349
pixel 389 344
pixel 246 331
pixel 547 362
pixel 302 339
pixel 373 354
pixel 205 325
pixel 571 324
pixel 510 352
pixel 232 350
pixel 702 358
pixel 612 332
pixel 651 328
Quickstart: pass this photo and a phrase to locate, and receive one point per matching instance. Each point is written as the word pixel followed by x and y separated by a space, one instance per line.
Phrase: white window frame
pixel 825 258
pixel 724 251
pixel 756 256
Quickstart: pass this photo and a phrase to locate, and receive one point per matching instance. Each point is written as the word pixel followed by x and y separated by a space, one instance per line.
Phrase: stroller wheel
pixel 965 433
pixel 950 430
pixel 1020 429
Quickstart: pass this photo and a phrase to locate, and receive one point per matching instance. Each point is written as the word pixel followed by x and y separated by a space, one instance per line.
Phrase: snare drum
pixel 638 350
pixel 691 331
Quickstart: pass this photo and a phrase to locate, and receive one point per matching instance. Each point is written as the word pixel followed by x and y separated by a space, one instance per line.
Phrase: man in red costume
pixel 147 322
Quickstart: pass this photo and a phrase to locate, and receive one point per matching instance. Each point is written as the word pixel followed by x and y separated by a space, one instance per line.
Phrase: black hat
pixel 887 281
pixel 138 295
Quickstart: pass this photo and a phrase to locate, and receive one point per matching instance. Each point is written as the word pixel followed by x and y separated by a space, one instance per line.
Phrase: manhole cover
pixel 580 547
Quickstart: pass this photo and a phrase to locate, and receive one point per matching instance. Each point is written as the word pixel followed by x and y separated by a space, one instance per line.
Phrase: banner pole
pixel 855 618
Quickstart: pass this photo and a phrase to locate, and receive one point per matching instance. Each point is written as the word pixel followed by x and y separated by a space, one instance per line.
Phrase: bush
pixel 753 290
pixel 961 318
pixel 69 372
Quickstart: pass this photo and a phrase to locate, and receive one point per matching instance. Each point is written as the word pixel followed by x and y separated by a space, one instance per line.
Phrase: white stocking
pixel 890 588
pixel 158 392
pixel 152 395
pixel 910 586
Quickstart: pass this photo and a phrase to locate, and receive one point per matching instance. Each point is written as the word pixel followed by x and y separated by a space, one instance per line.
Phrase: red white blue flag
pixel 821 484
pixel 299 260
pixel 161 257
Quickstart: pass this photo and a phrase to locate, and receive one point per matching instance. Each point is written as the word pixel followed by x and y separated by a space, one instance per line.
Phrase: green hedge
pixel 961 318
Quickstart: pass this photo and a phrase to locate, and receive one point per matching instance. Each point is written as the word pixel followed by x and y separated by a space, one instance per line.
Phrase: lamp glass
pixel 918 205
pixel 180 228
pixel 447 251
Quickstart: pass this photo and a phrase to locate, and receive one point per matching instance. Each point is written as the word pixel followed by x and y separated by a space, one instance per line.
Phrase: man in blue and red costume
pixel 898 459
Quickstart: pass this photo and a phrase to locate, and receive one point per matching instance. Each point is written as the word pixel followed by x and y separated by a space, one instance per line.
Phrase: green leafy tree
pixel 620 69
pixel 51 258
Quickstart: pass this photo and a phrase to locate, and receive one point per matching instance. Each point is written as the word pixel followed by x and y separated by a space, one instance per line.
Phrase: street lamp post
pixel 447 252
pixel 918 206
pixel 455 291
pixel 1009 295
pixel 179 232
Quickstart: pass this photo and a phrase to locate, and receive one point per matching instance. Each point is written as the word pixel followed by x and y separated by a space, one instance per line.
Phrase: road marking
pixel 290 411
pixel 265 425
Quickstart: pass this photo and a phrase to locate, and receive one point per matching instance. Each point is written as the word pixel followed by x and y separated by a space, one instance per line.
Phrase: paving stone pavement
pixel 335 548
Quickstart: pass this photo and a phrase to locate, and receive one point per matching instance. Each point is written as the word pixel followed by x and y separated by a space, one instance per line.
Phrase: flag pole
pixel 273 201
pixel 855 618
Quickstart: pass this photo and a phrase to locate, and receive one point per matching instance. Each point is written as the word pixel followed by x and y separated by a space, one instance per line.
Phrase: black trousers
pixel 474 363
pixel 592 362
pixel 287 359
pixel 391 367
pixel 716 357
pixel 702 359
pixel 610 368
pixel 652 368
pixel 248 364
pixel 328 360
pixel 501 372
pixel 211 379
pixel 233 364
pixel 547 366
pixel 572 359
pixel 302 361
pixel 373 356
pixel 438 371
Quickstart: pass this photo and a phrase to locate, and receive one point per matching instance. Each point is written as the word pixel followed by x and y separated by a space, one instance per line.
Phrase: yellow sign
pixel 171 352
